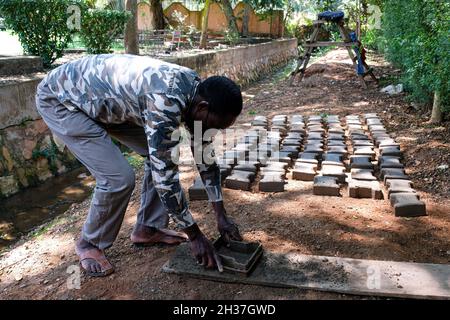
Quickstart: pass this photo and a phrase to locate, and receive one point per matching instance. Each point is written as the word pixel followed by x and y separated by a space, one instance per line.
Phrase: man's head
pixel 217 104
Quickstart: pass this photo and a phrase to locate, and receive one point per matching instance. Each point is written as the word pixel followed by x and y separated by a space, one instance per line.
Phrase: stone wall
pixel 242 64
pixel 29 154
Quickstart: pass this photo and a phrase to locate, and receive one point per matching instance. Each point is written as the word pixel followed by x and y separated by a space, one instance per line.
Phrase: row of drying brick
pixel 403 198
pixel 269 152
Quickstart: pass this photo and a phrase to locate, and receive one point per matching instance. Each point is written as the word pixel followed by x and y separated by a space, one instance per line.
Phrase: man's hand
pixel 202 249
pixel 227 228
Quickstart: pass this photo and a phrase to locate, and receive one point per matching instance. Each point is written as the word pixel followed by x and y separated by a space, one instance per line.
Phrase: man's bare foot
pixel 92 259
pixel 143 235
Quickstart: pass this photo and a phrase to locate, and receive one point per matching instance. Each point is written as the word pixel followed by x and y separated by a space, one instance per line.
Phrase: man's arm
pixel 162 118
pixel 210 175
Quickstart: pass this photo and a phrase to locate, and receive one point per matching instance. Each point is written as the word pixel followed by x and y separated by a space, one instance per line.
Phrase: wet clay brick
pixel 197 191
pixel 362 174
pixel 240 180
pixel 365 189
pixel 272 183
pixel 326 186
pixel 407 205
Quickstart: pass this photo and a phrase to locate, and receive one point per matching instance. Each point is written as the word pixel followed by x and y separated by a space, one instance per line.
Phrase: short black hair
pixel 223 95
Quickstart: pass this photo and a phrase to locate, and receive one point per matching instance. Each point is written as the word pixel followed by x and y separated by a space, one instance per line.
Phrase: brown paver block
pixel 407 205
pixel 304 171
pixel 365 189
pixel 362 174
pixel 337 172
pixel 326 186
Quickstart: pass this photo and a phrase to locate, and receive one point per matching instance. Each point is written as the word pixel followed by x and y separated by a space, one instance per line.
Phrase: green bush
pixel 417 41
pixel 99 28
pixel 40 25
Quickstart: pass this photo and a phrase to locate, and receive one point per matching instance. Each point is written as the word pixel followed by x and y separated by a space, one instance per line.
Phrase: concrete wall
pixel 29 154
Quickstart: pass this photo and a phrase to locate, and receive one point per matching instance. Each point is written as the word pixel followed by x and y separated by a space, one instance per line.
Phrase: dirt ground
pixel 293 221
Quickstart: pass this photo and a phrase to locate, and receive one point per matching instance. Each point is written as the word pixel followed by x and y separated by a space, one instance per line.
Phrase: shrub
pixel 99 28
pixel 416 33
pixel 40 25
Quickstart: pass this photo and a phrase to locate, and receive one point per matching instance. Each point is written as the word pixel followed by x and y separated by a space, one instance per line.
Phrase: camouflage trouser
pixel 91 144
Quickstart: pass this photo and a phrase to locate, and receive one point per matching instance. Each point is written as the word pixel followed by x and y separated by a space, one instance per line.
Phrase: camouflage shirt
pixel 115 89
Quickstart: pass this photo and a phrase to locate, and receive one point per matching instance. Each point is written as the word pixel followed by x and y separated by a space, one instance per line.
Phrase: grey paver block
pixel 361 162
pixel 365 189
pixel 407 205
pixel 362 174
pixel 304 171
pixel 334 171
pixel 326 186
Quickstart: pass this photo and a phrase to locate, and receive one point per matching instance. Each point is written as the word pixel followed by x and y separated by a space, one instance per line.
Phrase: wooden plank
pixel 330 44
pixel 334 274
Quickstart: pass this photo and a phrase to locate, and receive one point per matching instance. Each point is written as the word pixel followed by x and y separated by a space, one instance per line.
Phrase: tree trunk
pixel 204 36
pixel 131 31
pixel 246 19
pixel 231 19
pixel 436 113
pixel 158 14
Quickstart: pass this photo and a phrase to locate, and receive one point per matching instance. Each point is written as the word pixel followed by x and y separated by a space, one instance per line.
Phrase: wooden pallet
pixel 333 274
pixel 347 43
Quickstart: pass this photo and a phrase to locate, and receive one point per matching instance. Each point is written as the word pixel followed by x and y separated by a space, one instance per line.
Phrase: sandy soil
pixel 293 221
